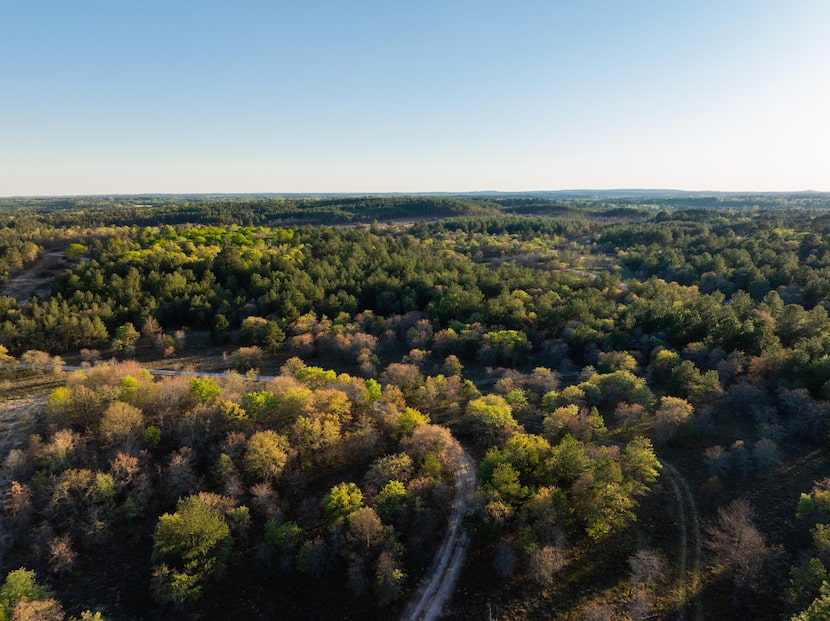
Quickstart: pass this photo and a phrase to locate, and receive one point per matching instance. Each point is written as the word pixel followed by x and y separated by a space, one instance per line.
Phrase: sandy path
pixel 438 586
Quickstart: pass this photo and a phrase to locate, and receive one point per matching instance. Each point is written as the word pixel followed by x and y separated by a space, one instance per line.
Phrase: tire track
pixel 439 585
pixel 688 591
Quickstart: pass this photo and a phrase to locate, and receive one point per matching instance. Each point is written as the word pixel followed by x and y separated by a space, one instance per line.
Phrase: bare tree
pixel 151 330
pixel 717 460
pixel 62 555
pixel 647 567
pixel 181 477
pixel 737 546
pixel 504 561
pixel 766 456
pixel 545 563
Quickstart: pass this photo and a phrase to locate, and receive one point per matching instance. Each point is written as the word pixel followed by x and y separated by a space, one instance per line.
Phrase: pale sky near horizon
pixel 182 96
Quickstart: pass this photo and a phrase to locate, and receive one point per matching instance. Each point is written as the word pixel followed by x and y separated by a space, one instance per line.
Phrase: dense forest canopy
pixel 574 345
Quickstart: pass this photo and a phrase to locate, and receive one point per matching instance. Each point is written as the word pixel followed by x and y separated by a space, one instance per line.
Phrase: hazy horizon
pixel 617 192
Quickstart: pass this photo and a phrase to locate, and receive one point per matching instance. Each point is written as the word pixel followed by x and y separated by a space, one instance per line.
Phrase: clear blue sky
pixel 152 96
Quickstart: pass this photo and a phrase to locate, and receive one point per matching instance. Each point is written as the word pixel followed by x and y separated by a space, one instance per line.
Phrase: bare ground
pixel 37 277
pixel 17 419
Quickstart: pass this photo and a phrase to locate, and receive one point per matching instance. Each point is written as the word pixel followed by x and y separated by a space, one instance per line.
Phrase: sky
pixel 174 96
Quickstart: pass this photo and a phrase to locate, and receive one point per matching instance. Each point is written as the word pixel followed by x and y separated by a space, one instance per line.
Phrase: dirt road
pixel 438 586
pixel 688 578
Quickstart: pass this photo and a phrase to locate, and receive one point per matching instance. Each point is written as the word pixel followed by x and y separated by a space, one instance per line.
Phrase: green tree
pixel 342 499
pixel 408 420
pixel 7 362
pixel 76 250
pixel 220 332
pixel 806 581
pixel 819 609
pixel 490 419
pixel 189 546
pixel 204 389
pixel 126 337
pixel 391 500
pixel 640 464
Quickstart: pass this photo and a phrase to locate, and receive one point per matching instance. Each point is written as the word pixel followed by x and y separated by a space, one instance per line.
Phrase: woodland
pixel 642 383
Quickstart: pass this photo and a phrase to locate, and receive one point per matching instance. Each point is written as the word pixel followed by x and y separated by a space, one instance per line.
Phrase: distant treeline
pixel 253 210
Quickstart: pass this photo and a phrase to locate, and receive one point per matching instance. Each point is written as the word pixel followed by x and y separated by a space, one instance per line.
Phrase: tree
pixel 365 528
pixel 606 390
pixel 189 546
pixel 395 467
pixel 266 455
pixel 544 563
pixel 408 420
pixel 568 460
pixel 737 546
pixel 687 381
pixel 511 346
pixel 121 422
pixel 505 480
pixel 672 413
pixel 151 330
pixel 126 337
pixel 246 358
pixel 806 581
pixel 62 555
pixel 18 503
pixel 647 567
pixel 38 610
pixel 640 464
pixel 204 389
pixel 391 501
pixel 490 419
pixel 20 586
pixel 452 366
pixel 615 361
pixel 601 500
pixel 819 609
pixel 717 460
pixel 41 362
pixel 431 440
pixel 765 456
pixel 582 423
pixel 7 362
pixel 76 250
pixel 260 331
pixel 388 578
pixel 815 506
pixel 220 332
pixel 342 499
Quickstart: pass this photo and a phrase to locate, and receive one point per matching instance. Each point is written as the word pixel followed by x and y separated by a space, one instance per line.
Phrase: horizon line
pixel 654 192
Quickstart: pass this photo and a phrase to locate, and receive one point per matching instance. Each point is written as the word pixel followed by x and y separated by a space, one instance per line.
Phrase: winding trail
pixel 439 585
pixel 688 579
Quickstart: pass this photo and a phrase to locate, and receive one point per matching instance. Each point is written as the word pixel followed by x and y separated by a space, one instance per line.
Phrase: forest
pixel 260 407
